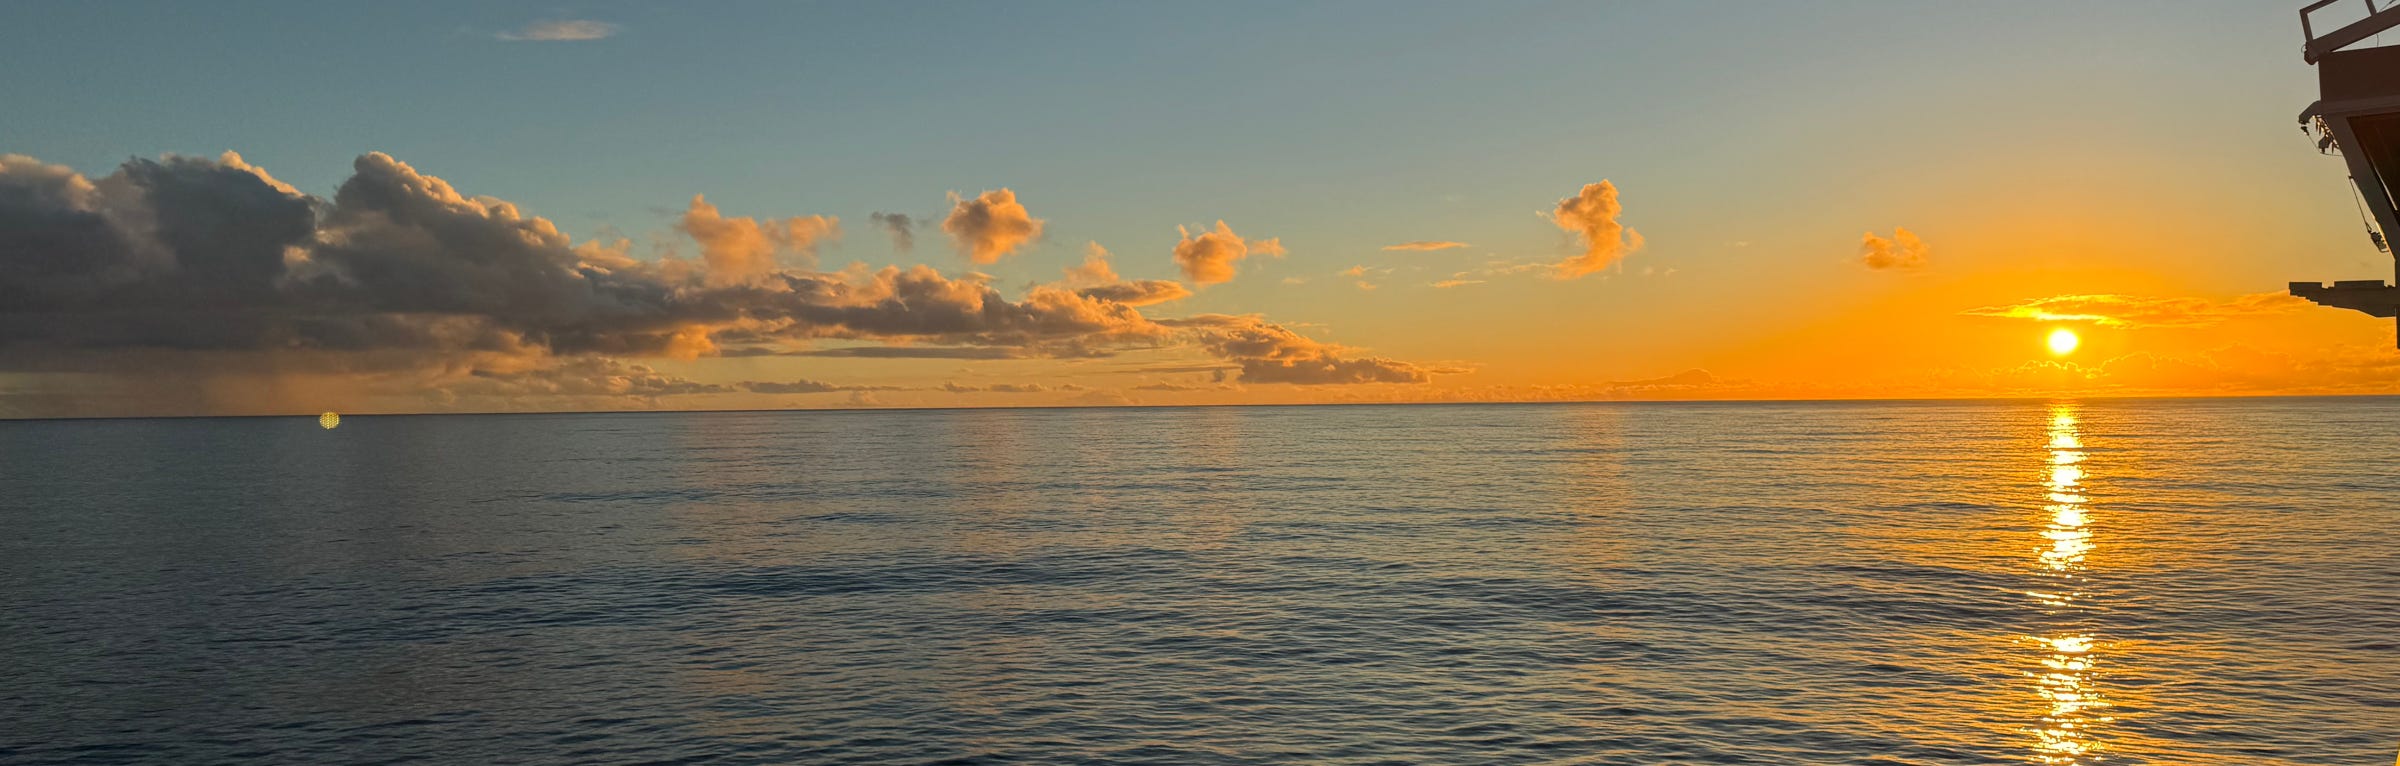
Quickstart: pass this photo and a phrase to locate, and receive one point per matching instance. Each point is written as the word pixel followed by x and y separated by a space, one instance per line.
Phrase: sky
pixel 271 208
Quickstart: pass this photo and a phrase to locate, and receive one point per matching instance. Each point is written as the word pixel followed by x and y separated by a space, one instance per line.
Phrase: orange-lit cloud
pixel 1012 388
pixel 400 283
pixel 1094 278
pixel 1426 244
pixel 2225 370
pixel 742 249
pixel 2138 311
pixel 1591 215
pixel 1210 258
pixel 1902 251
pixel 991 225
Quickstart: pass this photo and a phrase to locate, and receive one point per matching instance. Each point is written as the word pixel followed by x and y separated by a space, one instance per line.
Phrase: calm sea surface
pixel 2121 582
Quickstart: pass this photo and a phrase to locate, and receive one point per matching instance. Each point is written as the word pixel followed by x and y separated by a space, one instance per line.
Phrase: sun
pixel 2063 341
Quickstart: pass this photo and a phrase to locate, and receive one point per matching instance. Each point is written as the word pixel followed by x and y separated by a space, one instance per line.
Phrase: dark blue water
pixel 2129 582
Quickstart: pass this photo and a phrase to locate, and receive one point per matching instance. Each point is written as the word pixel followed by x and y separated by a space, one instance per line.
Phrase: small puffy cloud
pixel 1591 215
pixel 900 226
pixel 1457 280
pixel 1095 278
pixel 563 30
pixel 2133 311
pixel 1426 244
pixel 1094 270
pixel 1902 251
pixel 742 249
pixel 1210 258
pixel 991 225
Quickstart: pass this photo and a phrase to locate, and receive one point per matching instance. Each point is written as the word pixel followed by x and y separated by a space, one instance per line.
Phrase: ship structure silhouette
pixel 2357 116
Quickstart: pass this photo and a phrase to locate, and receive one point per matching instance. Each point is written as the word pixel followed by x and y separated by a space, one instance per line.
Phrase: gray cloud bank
pixel 218 265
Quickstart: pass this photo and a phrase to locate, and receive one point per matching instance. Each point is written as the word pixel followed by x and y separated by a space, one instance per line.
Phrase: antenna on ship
pixel 2357 116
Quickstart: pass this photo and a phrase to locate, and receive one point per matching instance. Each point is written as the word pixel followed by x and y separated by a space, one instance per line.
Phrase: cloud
pixel 1210 258
pixel 2132 311
pixel 1270 353
pixel 1458 280
pixel 1012 388
pixel 1902 251
pixel 991 225
pixel 1692 383
pixel 910 352
pixel 1103 397
pixel 564 30
pixel 2236 370
pixel 805 387
pixel 1688 379
pixel 212 270
pixel 744 249
pixel 1094 278
pixel 1426 244
pixel 602 377
pixel 1178 387
pixel 1592 216
pixel 902 229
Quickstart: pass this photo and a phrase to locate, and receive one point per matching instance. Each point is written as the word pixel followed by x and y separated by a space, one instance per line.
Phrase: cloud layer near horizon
pixel 2136 311
pixel 218 265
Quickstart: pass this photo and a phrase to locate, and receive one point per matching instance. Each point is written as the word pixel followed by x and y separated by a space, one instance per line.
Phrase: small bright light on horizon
pixel 329 420
pixel 2063 341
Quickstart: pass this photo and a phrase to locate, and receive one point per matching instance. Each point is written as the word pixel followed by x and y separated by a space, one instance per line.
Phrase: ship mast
pixel 2357 115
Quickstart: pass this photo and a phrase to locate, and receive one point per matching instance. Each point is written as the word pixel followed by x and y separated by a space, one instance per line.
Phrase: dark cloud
pixel 398 272
pixel 902 228
pixel 1096 279
pixel 805 387
pixel 1271 353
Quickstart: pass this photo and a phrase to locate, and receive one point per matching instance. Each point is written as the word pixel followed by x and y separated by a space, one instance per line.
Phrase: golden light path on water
pixel 2065 678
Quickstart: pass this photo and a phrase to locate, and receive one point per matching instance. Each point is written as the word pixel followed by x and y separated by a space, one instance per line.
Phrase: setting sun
pixel 2063 341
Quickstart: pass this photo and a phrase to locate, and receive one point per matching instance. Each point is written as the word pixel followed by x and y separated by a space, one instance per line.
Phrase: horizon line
pixel 1532 402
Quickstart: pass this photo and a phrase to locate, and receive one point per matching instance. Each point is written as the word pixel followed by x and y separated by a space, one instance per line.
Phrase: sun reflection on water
pixel 2065 678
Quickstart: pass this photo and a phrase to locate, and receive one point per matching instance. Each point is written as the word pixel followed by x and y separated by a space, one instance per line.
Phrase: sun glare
pixel 2063 341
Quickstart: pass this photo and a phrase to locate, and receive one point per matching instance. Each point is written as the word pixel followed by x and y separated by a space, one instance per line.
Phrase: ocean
pixel 2002 582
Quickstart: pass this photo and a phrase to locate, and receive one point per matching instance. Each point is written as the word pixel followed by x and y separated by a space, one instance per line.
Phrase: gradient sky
pixel 2142 153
